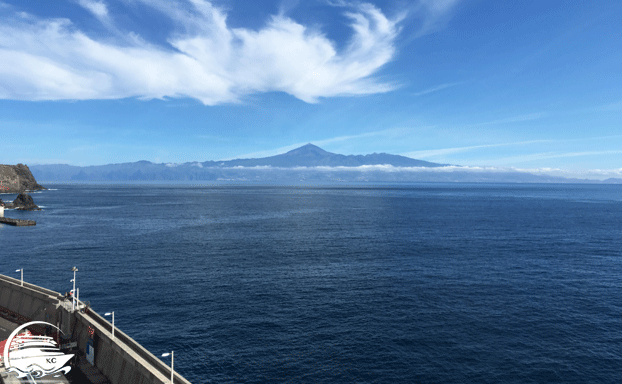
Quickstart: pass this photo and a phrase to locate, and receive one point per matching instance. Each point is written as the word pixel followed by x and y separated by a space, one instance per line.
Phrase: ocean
pixel 417 283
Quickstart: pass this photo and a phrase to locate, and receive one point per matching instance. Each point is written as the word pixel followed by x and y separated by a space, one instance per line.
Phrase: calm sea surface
pixel 430 283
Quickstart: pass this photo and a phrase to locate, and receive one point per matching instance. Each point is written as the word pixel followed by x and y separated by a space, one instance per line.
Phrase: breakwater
pixel 17 222
pixel 119 359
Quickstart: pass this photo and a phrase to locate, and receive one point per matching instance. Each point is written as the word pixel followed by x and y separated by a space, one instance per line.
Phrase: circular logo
pixel 32 355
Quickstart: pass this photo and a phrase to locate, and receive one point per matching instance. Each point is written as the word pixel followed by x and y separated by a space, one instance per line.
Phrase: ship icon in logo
pixel 34 356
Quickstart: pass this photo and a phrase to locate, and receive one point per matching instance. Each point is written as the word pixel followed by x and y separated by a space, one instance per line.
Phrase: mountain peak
pixel 308 150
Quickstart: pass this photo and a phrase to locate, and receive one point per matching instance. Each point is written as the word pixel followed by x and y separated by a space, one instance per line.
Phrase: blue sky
pixel 529 85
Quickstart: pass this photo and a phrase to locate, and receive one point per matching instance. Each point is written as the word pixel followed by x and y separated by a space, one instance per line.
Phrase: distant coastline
pixel 308 164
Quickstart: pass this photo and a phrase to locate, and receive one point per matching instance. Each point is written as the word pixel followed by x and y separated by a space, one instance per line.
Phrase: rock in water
pixel 17 179
pixel 23 202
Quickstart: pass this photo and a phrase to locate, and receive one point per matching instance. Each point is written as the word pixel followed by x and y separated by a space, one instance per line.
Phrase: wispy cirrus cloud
pixel 515 119
pixel 434 14
pixel 552 155
pixel 436 89
pixel 97 8
pixel 448 151
pixel 384 132
pixel 50 59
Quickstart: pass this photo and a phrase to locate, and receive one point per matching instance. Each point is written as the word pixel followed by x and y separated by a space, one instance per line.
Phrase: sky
pixel 527 85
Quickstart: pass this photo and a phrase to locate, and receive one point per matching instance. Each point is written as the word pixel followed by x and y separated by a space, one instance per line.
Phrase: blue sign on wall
pixel 90 352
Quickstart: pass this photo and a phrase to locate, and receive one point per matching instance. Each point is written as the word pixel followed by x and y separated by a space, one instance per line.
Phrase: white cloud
pixel 591 174
pixel 49 59
pixel 97 8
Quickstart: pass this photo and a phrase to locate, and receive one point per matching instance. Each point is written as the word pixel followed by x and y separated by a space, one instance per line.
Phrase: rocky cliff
pixel 17 179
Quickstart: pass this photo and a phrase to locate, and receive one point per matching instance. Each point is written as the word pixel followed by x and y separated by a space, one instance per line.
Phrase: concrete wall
pixel 122 360
pixel 28 302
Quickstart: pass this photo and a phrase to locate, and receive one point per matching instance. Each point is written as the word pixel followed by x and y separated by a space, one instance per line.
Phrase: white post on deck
pixel 172 358
pixel 22 279
pixel 108 314
pixel 73 297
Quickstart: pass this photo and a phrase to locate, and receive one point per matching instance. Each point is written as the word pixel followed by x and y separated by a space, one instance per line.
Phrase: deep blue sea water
pixel 429 283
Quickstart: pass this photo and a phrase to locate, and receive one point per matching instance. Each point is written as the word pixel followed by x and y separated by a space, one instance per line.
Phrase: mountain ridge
pixel 310 155
pixel 308 163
